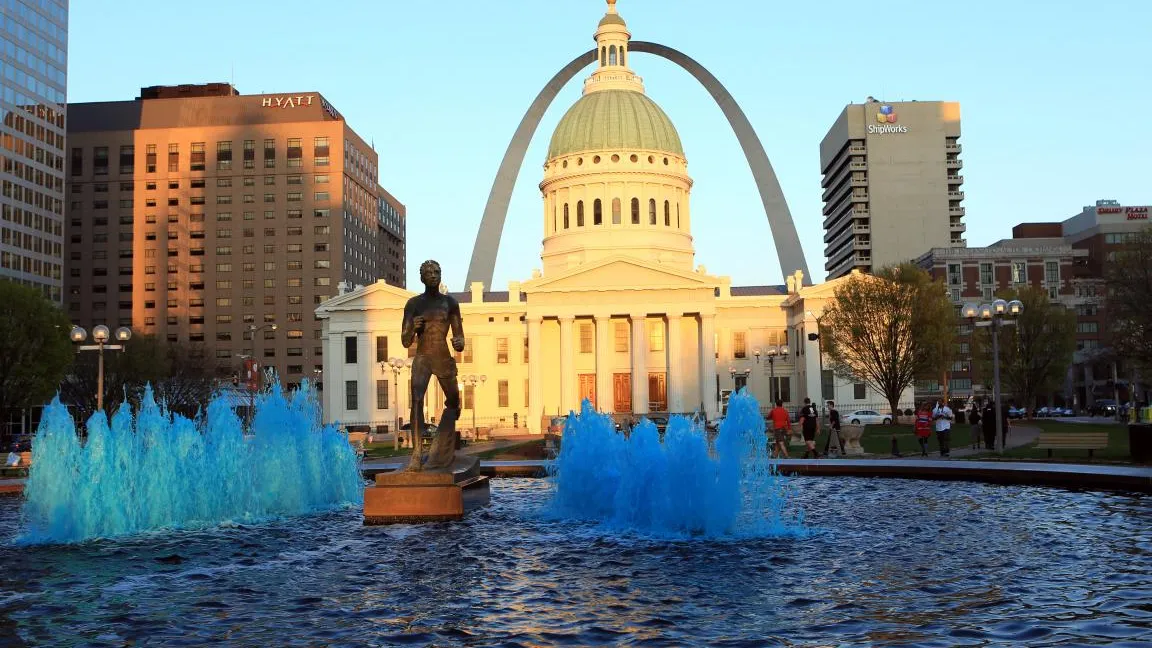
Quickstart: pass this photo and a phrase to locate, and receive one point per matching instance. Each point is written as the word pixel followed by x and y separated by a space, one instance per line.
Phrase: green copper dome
pixel 614 119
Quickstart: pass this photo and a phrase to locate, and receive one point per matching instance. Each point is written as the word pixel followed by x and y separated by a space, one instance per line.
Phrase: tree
pixel 1034 353
pixel 889 328
pixel 179 376
pixel 35 350
pixel 1128 303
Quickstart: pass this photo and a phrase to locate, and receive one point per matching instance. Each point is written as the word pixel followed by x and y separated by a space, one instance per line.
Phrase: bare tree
pixel 1128 303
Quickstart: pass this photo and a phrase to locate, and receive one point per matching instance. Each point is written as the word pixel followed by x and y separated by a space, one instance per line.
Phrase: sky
pixel 1055 98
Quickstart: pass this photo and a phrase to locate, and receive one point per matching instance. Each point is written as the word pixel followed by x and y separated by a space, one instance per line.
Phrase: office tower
pixel 891 184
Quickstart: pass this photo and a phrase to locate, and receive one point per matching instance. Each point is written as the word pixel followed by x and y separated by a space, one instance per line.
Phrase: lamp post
pixel 396 365
pixel 100 335
pixel 996 315
pixel 253 329
pixel 773 353
pixel 472 380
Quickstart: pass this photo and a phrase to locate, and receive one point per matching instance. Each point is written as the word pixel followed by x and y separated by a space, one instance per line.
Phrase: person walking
pixel 834 429
pixel 988 422
pixel 943 416
pixel 809 424
pixel 781 429
pixel 923 427
pixel 974 419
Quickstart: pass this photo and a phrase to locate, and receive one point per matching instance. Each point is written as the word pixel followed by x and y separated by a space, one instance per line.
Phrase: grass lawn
pixel 877 439
pixel 383 451
pixel 1117 449
pixel 527 450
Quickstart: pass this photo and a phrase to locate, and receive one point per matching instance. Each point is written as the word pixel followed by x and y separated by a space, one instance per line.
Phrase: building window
pixel 655 335
pixel 579 213
pixel 859 391
pixel 954 274
pixel 615 211
pixel 100 160
pixel 197 156
pixel 469 397
pixel 502 393
pixel 597 213
pixel 635 211
pixel 466 355
pixel 782 388
pixel 651 211
pixel 381 394
pixel 351 402
pixel 1087 327
pixel 739 344
pixel 381 348
pixel 986 276
pixel 502 350
pixel 585 338
pixel 525 350
pixel 621 337
pixel 350 350
pixel 1019 272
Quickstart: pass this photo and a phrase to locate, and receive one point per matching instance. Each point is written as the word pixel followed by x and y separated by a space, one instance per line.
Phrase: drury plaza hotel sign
pixel 1130 213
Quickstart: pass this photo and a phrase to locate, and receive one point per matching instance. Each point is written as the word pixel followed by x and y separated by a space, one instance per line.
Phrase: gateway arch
pixel 788 249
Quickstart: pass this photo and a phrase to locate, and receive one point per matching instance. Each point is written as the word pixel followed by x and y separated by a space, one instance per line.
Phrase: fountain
pixel 157 470
pixel 675 487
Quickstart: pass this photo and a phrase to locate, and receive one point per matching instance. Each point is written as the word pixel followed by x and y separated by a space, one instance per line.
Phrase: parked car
pixel 1103 407
pixel 556 425
pixel 867 417
pixel 1017 412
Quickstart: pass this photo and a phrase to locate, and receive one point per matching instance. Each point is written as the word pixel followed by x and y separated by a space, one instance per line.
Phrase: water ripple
pixel 885 563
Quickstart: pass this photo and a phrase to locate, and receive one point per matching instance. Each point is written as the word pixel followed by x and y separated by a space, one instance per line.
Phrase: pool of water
pixel 886 562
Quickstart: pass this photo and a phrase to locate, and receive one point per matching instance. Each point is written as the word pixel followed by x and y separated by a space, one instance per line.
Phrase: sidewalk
pixel 1018 435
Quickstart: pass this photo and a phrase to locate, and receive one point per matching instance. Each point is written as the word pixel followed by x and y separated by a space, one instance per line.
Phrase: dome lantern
pixel 612 71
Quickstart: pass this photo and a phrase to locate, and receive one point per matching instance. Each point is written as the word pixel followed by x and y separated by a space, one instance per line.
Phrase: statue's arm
pixel 407 329
pixel 457 323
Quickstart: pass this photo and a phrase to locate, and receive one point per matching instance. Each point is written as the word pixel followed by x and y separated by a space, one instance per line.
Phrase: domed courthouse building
pixel 620 313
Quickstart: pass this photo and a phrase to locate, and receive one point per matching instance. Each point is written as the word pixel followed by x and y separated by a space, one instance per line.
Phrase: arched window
pixel 554 218
pixel 615 211
pixel 651 211
pixel 677 215
pixel 611 55
pixel 597 213
pixel 579 213
pixel 667 214
pixel 565 215
pixel 603 55
pixel 622 56
pixel 635 211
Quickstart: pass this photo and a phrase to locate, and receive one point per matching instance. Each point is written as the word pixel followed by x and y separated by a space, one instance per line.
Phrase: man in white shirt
pixel 943 416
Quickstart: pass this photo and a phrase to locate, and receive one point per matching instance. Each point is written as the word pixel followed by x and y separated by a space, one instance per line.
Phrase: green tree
pixel 1128 303
pixel 35 350
pixel 1035 352
pixel 889 328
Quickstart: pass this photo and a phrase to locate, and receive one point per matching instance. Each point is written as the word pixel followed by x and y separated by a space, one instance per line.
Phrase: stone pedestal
pixel 851 435
pixel 414 497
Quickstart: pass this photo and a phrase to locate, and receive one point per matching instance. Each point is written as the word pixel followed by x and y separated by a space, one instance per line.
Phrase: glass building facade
pixel 33 64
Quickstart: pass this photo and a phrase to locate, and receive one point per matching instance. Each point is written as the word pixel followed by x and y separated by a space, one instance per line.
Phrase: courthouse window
pixel 740 344
pixel 621 334
pixel 502 350
pixel 585 338
pixel 656 335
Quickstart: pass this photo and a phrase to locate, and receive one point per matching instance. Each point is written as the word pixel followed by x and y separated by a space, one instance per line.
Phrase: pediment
pixel 620 273
pixel 378 296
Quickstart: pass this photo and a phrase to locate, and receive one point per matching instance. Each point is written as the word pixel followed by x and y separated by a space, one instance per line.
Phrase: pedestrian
pixel 809 424
pixel 988 421
pixel 923 427
pixel 781 429
pixel 834 429
pixel 974 419
pixel 943 416
pixel 1005 424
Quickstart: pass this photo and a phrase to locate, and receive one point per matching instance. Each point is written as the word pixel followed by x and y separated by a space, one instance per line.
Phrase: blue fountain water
pixel 679 487
pixel 160 470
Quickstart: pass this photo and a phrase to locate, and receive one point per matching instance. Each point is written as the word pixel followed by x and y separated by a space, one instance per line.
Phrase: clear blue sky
pixel 1055 97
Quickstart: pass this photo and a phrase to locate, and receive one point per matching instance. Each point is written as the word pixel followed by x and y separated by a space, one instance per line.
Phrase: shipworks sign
pixel 886 122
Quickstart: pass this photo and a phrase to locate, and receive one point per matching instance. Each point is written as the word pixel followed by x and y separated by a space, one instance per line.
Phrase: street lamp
pixel 397 365
pixel 996 315
pixel 473 380
pixel 773 353
pixel 101 334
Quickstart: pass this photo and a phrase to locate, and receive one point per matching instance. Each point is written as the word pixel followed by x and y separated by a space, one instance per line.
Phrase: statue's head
pixel 430 274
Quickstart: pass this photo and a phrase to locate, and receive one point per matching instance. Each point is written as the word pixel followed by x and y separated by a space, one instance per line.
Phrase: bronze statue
pixel 427 318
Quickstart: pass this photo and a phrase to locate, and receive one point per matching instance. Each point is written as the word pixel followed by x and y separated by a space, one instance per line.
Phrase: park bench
pixel 1072 441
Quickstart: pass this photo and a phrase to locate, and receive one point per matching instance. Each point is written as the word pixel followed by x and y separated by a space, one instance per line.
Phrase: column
pixel 605 398
pixel 367 371
pixel 567 366
pixel 675 348
pixel 708 364
pixel 813 380
pixel 639 364
pixel 535 380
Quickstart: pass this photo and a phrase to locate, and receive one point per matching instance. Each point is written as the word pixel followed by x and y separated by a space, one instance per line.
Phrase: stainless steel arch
pixel 788 249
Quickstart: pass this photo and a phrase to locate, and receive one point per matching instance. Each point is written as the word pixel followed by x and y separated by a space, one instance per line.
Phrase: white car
pixel 867 417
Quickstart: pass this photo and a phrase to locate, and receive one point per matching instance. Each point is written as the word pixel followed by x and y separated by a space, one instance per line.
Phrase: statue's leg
pixel 421 374
pixel 443 450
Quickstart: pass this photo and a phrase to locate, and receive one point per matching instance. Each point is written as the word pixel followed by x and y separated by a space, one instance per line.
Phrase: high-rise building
pixel 33 79
pixel 392 235
pixel 226 219
pixel 891 184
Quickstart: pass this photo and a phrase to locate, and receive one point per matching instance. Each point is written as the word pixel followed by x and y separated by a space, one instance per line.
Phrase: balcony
pixel 952 147
pixel 959 242
pixel 858 166
pixel 955 211
pixel 862 243
pixel 955 164
pixel 859 197
pixel 957 227
pixel 857 149
pixel 859 182
pixel 955 179
pixel 955 195
pixel 860 212
pixel 862 229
